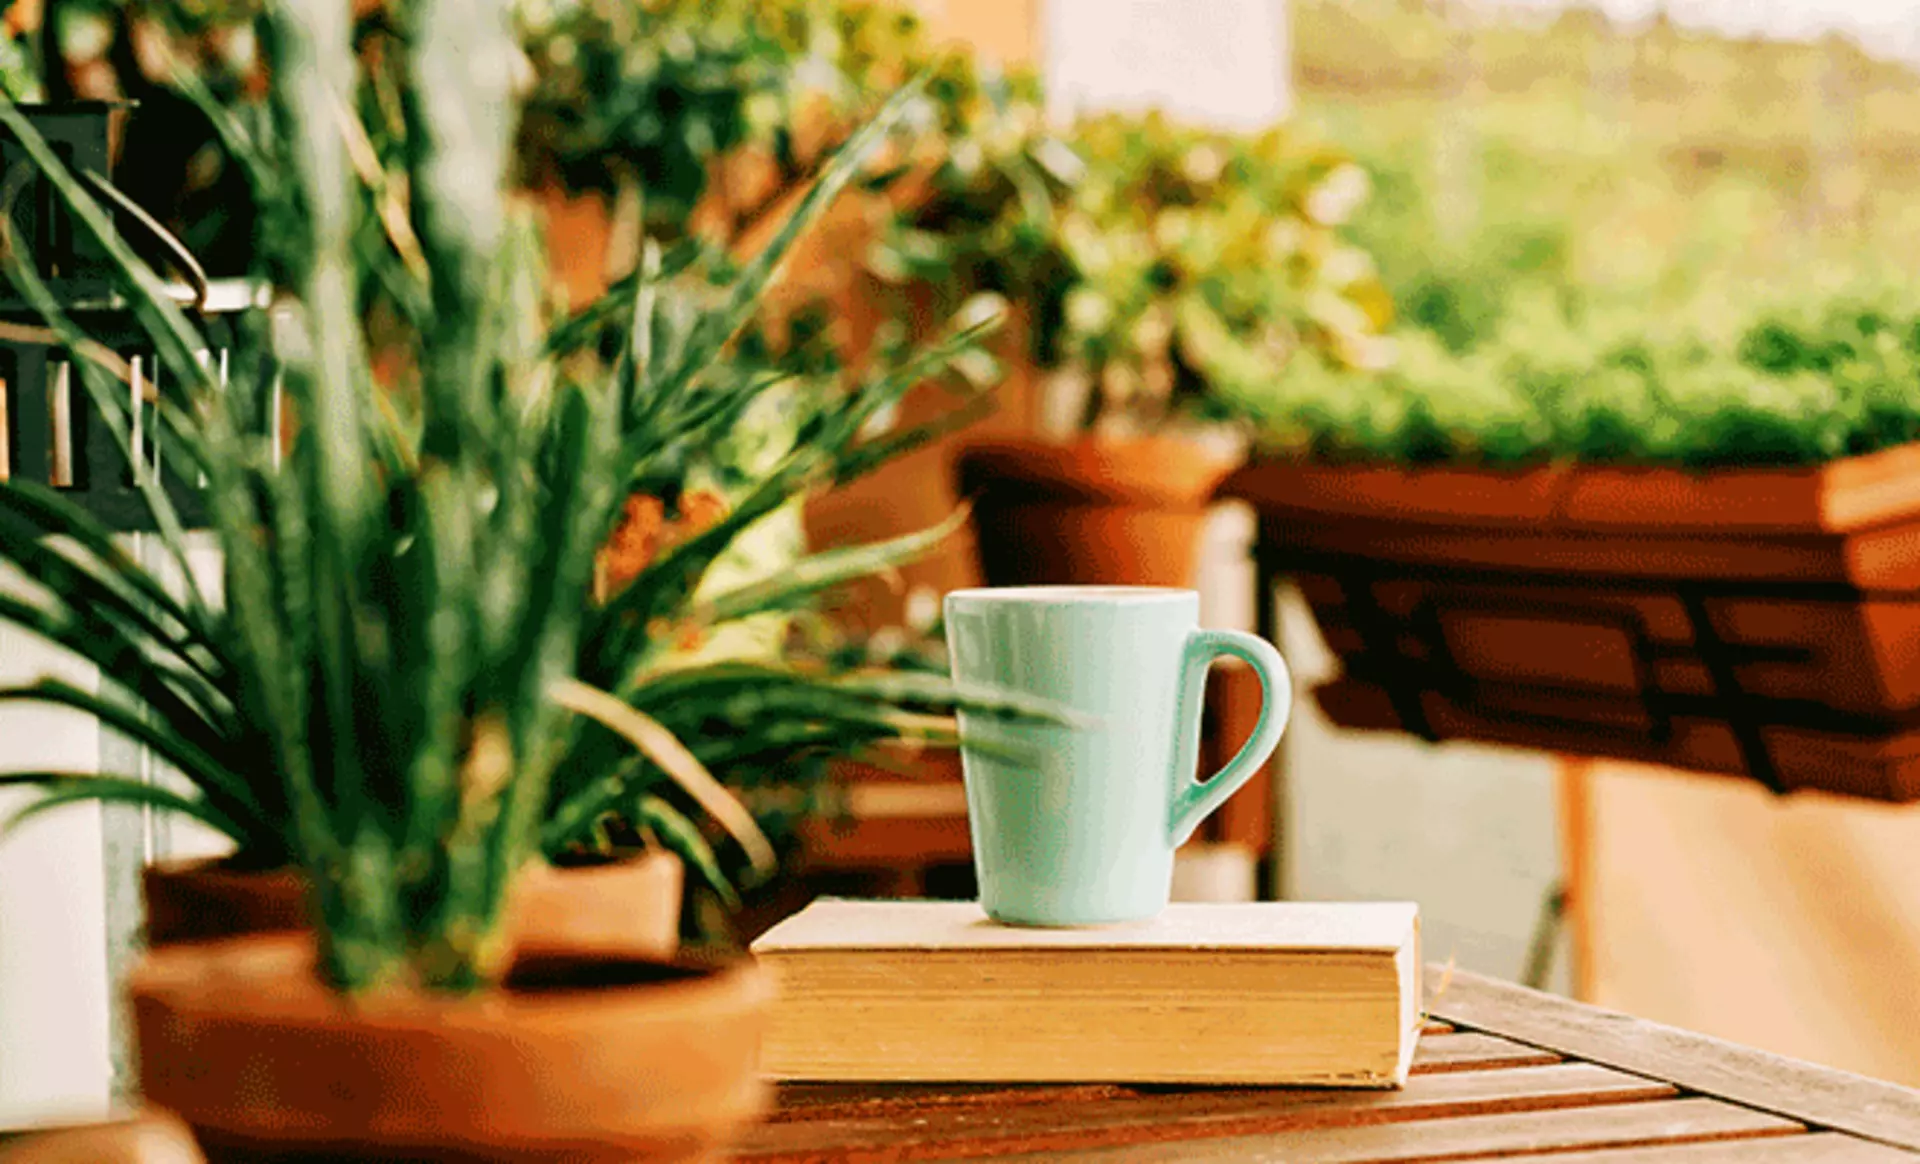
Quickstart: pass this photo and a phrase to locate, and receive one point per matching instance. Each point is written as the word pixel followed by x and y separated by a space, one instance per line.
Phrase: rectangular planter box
pixel 1758 622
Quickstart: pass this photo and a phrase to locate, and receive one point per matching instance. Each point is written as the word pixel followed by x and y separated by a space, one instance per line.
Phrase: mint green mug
pixel 1077 822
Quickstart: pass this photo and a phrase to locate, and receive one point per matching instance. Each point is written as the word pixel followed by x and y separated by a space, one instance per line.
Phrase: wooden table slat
pixel 1819 1148
pixel 1501 1072
pixel 1475 1051
pixel 899 1130
pixel 1455 1051
pixel 1820 1096
pixel 812 1101
pixel 1614 1125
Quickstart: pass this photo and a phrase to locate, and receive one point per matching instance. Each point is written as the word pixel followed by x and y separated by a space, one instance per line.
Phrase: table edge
pixel 1822 1097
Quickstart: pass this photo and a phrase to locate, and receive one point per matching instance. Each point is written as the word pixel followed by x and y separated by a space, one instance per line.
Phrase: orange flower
pixel 634 543
pixel 645 532
pixel 699 511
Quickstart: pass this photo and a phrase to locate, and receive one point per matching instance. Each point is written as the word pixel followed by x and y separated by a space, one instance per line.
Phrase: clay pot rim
pixel 213 868
pixel 1161 470
pixel 1065 505
pixel 221 979
pixel 630 905
pixel 220 868
pixel 622 858
pixel 1054 594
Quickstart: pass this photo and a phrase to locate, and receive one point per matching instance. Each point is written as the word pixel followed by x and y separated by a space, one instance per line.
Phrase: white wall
pixel 1222 62
pixel 54 1058
pixel 1470 833
pixel 70 909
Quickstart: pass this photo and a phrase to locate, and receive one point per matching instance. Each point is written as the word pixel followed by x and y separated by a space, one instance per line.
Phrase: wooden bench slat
pixel 1475 1051
pixel 1434 1026
pixel 1614 1125
pixel 1819 1148
pixel 1820 1096
pixel 908 1132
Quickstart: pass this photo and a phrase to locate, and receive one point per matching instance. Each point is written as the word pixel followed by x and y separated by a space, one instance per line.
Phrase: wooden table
pixel 1501 1072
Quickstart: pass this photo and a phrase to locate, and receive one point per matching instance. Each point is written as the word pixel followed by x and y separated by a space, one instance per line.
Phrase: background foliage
pixel 1643 245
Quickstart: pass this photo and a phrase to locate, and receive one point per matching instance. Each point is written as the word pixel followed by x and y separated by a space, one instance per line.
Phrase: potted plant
pixel 747 481
pixel 1681 539
pixel 1201 266
pixel 731 109
pixel 973 213
pixel 723 112
pixel 409 643
pixel 624 90
pixel 617 825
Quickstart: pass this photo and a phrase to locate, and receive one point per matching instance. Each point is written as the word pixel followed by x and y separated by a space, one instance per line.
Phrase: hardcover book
pixel 1295 993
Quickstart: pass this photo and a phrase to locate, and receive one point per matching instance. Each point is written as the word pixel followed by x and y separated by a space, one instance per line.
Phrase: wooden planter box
pixel 1757 622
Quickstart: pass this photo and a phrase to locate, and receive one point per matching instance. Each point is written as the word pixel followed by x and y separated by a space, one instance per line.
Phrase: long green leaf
pixel 445 545
pixel 870 455
pixel 165 741
pixel 99 620
pixel 125 665
pixel 64 788
pixel 823 571
pixel 679 834
pixel 47 510
pixel 588 325
pixel 744 297
pixel 311 696
pixel 667 753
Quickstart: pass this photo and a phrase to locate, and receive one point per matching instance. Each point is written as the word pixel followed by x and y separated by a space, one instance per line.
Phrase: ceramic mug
pixel 1077 823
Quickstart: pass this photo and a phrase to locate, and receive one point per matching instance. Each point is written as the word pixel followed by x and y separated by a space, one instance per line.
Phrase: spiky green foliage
pixel 409 594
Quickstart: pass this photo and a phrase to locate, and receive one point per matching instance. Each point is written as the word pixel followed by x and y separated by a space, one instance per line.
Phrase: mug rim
pixel 1063 594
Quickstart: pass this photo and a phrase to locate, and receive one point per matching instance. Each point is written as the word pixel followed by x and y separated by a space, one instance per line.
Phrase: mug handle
pixel 1194 801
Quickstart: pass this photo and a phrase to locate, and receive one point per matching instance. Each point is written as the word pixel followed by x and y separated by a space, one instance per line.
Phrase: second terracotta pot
pixel 627 908
pixel 1113 513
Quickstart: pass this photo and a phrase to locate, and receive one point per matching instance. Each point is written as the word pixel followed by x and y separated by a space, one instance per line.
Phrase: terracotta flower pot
pixel 629 907
pixel 193 901
pixel 1763 622
pixel 145 1138
pixel 582 1059
pixel 1121 513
